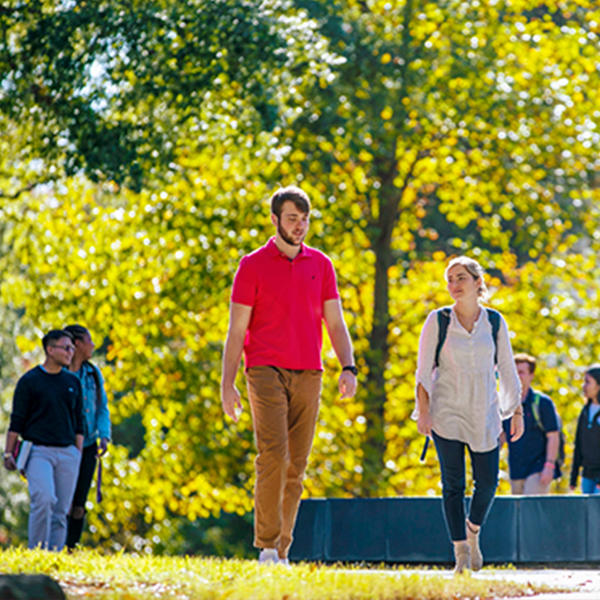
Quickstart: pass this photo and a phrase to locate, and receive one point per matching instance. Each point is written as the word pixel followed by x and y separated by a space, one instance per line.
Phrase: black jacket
pixel 587 447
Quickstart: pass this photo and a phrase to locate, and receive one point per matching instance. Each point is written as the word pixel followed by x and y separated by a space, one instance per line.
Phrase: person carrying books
pixel 47 410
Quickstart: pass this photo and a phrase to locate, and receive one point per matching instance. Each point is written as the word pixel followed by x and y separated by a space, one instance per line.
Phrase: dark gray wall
pixel 519 529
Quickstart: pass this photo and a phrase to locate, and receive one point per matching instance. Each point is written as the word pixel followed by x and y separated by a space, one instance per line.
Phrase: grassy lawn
pixel 87 574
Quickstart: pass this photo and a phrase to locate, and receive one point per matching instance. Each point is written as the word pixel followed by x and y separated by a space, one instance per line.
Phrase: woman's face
pixel 590 387
pixel 462 285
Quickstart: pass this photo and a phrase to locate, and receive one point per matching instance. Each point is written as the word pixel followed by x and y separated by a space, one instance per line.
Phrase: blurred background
pixel 140 143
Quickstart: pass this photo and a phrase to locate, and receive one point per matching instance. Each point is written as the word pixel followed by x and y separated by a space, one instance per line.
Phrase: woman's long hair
pixel 594 372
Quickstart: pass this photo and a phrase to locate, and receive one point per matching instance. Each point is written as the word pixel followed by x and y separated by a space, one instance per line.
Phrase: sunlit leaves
pixel 112 89
pixel 149 274
pixel 419 130
pixel 450 126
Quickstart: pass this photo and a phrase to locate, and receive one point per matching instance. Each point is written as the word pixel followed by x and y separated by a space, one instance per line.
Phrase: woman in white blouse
pixel 460 405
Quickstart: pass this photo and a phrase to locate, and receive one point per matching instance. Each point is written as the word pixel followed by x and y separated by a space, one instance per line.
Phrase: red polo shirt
pixel 286 297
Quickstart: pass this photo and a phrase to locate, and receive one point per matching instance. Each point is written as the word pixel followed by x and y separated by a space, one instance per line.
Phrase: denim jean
pixel 451 454
pixel 589 486
pixel 84 482
pixel 51 475
pixel 86 474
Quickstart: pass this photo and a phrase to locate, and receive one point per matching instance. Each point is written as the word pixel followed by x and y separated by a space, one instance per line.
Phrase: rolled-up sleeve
pixel 509 393
pixel 426 357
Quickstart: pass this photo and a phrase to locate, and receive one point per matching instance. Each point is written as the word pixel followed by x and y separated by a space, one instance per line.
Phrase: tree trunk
pixel 378 354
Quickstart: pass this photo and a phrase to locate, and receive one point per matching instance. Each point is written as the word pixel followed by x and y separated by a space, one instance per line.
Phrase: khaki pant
pixel 284 405
pixel 529 486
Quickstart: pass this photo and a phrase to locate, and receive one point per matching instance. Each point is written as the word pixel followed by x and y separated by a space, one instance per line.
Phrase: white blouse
pixel 465 402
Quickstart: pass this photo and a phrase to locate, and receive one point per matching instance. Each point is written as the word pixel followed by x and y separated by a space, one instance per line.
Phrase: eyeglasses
pixel 65 348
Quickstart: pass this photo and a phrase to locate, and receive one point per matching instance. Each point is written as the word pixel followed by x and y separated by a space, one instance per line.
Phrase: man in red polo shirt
pixel 281 294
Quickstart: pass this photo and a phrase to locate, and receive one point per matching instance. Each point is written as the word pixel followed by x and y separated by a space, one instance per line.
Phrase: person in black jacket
pixel 47 411
pixel 587 437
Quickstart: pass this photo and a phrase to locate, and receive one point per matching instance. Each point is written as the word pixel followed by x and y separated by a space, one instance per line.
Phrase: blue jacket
pixel 95 411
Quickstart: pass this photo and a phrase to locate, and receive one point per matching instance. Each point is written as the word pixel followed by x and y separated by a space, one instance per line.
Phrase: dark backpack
pixel 535 409
pixel 443 319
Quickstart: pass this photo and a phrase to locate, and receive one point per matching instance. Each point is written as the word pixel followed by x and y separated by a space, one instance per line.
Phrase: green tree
pixel 136 133
pixel 13 489
pixel 445 128
pixel 419 130
pixel 119 90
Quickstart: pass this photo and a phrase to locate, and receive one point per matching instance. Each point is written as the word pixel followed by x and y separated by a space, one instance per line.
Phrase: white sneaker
pixel 268 555
pixel 284 561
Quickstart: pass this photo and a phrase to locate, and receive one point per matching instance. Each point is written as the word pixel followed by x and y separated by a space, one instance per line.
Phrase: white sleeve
pixel 426 358
pixel 509 395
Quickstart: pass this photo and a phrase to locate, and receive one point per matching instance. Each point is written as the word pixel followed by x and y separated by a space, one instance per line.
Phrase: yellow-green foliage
pixel 130 577
pixel 419 131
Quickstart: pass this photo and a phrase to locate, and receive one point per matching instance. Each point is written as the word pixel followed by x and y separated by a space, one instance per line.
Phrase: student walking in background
pixel 97 426
pixel 282 294
pixel 532 458
pixel 47 410
pixel 586 453
pixel 458 405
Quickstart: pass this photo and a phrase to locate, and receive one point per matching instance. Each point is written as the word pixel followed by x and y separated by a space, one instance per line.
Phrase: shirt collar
pixel 274 251
pixel 477 320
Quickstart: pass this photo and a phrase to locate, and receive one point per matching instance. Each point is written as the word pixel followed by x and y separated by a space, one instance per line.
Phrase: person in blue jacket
pixel 587 437
pixel 97 426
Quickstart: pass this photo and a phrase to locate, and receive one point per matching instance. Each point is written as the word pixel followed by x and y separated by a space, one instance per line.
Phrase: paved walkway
pixel 584 584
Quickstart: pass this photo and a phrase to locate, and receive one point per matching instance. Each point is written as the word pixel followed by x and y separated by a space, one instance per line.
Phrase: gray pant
pixel 51 474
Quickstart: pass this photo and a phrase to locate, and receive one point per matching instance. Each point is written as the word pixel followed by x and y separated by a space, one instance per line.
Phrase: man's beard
pixel 286 238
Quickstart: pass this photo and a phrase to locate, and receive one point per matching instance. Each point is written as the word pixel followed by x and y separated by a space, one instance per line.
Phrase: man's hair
pixel 521 357
pixel 77 332
pixel 53 336
pixel 293 194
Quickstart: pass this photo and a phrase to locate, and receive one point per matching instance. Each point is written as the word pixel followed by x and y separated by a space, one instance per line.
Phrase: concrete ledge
pixel 520 529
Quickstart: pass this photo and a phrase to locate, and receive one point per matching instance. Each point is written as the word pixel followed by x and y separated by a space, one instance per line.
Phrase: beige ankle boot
pixel 473 542
pixel 462 555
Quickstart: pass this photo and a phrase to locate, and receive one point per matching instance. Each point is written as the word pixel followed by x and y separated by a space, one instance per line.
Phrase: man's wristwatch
pixel 7 455
pixel 350 368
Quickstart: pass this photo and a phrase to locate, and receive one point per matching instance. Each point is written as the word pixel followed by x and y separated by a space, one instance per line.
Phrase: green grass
pixel 87 574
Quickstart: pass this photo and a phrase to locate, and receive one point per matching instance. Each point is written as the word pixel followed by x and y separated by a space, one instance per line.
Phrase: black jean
pixel 82 488
pixel 451 454
pixel 86 474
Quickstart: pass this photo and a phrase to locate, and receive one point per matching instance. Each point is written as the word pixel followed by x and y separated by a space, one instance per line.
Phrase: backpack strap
pixel 443 319
pixel 535 410
pixel 494 319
